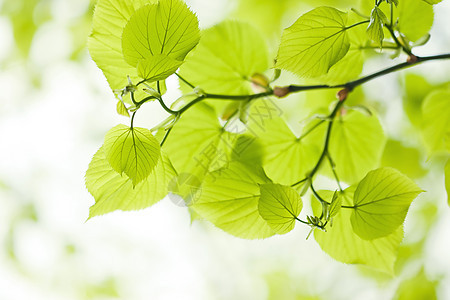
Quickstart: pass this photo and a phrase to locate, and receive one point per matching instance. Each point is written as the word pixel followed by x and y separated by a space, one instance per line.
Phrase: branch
pixel 355 83
pixel 281 92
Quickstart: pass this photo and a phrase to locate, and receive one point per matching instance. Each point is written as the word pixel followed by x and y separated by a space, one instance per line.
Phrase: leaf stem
pixel 333 169
pixel 166 135
pixel 132 120
pixel 173 112
pixel 185 81
pixel 357 24
pixel 301 221
pixel 311 129
pixel 327 139
pixel 299 182
pixel 394 37
pixel 392 14
pixel 322 201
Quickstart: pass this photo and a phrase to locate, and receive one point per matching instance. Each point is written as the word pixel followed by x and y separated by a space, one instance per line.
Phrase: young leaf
pixel 112 191
pixel 168 28
pixel 121 109
pixel 229 199
pixel 280 206
pixel 343 244
pixel 415 19
pixel 375 29
pixel 134 151
pixel 436 120
pixel 335 205
pixel 227 55
pixel 314 43
pixel 157 67
pixel 395 2
pixel 356 145
pixel 105 41
pixel 381 202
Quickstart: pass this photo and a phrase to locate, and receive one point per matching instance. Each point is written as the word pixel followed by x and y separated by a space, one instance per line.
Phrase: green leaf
pixel 266 15
pixel 356 145
pixel 407 160
pixel 113 191
pixel 335 205
pixel 346 69
pixel 205 146
pixel 121 109
pixel 314 43
pixel 343 244
pixel 417 288
pixel 381 202
pixel 134 151
pixel 280 206
pixel 229 199
pixel 415 19
pixel 375 29
pixel 226 57
pixel 350 67
pixel 436 121
pixel 157 67
pixel 447 180
pixel 287 158
pixel 197 143
pixel 416 88
pixel 168 28
pixel 105 41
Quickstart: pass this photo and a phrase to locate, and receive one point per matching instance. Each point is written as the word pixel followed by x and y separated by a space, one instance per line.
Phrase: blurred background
pixel 56 106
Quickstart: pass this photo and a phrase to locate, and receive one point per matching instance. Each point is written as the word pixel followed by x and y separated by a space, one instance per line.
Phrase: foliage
pixel 246 170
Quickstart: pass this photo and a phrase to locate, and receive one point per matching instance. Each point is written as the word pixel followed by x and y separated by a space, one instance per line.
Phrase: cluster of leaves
pixel 225 148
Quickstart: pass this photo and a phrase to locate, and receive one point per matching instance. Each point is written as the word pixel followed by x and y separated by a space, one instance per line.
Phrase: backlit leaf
pixel 121 109
pixel 113 191
pixel 381 202
pixel 335 205
pixel 229 199
pixel 105 41
pixel 415 18
pixel 407 160
pixel 344 245
pixel 436 120
pixel 280 206
pixel 226 57
pixel 375 29
pixel 356 145
pixel 157 67
pixel 417 288
pixel 350 67
pixel 168 28
pixel 314 43
pixel 287 158
pixel 134 151
pixel 197 141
